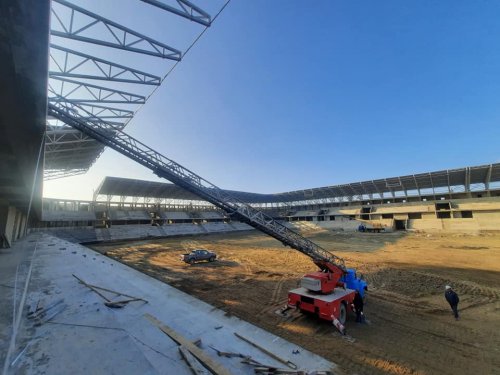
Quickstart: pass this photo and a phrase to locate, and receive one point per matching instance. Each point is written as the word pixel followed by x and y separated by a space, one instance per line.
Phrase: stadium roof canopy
pixel 461 180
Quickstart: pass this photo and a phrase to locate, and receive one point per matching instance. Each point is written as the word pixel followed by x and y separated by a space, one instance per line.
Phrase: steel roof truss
pixel 120 36
pixel 106 111
pixel 110 71
pixel 98 94
pixel 79 147
pixel 187 10
pixel 55 174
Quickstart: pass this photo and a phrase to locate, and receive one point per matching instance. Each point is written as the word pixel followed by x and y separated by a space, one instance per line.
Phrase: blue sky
pixel 285 95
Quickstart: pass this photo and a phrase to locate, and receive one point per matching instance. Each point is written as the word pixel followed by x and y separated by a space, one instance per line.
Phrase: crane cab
pixel 352 281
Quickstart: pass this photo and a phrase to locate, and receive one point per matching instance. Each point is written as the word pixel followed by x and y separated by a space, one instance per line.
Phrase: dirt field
pixel 410 329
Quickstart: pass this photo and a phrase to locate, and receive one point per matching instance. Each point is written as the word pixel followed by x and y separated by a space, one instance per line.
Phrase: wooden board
pixel 199 354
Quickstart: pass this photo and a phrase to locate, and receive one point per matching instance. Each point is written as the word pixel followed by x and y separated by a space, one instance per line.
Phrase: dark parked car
pixel 197 255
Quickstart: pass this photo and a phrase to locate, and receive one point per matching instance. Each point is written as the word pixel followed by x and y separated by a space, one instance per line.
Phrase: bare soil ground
pixel 410 327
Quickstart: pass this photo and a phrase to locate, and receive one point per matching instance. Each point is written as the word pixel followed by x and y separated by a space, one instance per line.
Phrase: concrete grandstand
pixel 465 199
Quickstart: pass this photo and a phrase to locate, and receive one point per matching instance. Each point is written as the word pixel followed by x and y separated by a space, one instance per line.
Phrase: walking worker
pixel 452 299
pixel 357 304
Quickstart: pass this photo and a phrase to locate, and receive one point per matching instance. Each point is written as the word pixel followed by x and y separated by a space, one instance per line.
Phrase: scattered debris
pixel 39 322
pixel 247 359
pixel 221 353
pixel 38 311
pixel 253 362
pixel 41 314
pixel 266 370
pixel 109 303
pixel 34 307
pixel 218 327
pixel 19 355
pixel 265 351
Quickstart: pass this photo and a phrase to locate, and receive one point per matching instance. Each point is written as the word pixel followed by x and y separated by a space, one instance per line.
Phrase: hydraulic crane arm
pixel 116 139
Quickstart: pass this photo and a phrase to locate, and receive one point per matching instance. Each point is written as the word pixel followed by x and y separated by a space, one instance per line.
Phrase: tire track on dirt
pixel 275 297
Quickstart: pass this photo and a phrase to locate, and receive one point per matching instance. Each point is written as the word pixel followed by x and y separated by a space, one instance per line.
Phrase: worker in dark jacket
pixel 358 307
pixel 452 299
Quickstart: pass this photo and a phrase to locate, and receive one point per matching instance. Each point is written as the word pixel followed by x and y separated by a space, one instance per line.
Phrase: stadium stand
pixel 169 215
pixel 118 215
pixel 72 216
pixel 210 215
pixel 465 199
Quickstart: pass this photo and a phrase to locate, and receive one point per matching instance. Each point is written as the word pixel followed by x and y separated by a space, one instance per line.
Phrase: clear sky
pixel 285 95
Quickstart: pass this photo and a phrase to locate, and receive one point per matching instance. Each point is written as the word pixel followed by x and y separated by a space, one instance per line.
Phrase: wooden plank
pixel 199 354
pixel 192 362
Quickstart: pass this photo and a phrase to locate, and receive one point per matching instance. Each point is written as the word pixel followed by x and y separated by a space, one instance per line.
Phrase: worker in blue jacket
pixel 452 299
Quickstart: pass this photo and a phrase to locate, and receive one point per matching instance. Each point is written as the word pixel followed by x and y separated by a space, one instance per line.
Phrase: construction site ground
pixel 409 328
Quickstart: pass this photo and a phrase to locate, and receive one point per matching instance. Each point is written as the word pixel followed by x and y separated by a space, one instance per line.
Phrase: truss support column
pixel 467 182
pixel 487 181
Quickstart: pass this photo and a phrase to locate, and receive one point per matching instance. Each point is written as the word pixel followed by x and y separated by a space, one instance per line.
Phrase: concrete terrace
pixel 81 335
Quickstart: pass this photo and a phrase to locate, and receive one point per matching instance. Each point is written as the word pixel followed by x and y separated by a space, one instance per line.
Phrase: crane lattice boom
pixel 164 167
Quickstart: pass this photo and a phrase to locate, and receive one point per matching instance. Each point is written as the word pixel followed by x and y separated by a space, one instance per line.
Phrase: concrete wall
pixel 485 216
pixel 139 231
pixel 24 35
pixel 403 208
pixel 345 225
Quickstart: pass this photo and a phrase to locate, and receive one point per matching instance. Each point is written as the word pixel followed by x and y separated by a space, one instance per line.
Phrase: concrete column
pixel 17 219
pixel 22 225
pixel 19 232
pixel 7 220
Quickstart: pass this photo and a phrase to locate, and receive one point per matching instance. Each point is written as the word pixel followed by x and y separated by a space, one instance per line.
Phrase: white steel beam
pixel 186 9
pixel 73 64
pixel 118 36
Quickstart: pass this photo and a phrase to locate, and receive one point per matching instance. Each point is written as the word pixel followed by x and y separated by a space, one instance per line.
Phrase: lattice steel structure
pixel 82 73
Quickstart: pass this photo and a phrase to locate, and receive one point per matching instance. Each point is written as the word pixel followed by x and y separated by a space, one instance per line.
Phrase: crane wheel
pixel 343 312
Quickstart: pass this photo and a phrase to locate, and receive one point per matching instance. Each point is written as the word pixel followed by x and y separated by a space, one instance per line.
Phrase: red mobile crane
pixel 327 292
